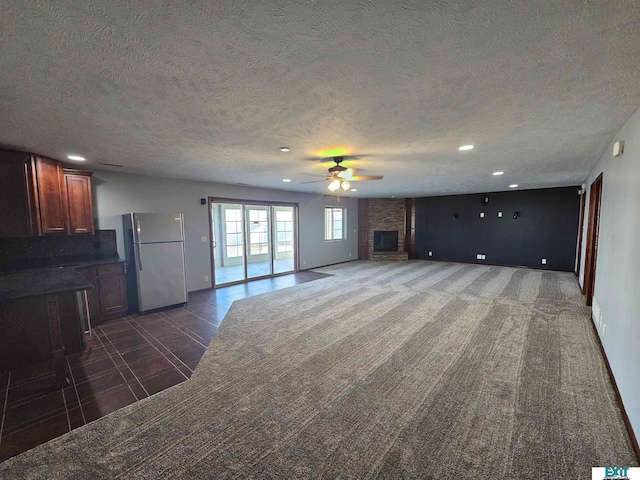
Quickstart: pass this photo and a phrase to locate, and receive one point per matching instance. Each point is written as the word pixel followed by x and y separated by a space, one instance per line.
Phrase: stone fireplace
pixel 382 224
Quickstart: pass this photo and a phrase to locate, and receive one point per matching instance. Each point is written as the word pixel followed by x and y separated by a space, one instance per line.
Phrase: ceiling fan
pixel 341 177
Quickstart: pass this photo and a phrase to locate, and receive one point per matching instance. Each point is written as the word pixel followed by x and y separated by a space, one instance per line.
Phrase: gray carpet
pixel 386 370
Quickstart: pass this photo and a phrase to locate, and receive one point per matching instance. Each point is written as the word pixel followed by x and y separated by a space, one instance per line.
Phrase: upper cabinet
pixel 16 213
pixel 40 198
pixel 79 208
pixel 50 199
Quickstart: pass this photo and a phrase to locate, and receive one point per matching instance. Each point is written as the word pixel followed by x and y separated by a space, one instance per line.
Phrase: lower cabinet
pixel 25 328
pixel 108 300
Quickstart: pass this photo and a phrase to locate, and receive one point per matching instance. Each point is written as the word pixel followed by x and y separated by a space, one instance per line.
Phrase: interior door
pixel 227 243
pixel 595 198
pixel 258 234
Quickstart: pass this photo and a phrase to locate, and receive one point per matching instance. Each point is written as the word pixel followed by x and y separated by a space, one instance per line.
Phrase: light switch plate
pixel 499 214
pixel 481 214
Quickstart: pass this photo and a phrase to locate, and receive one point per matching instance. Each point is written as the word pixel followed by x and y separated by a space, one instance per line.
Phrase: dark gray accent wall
pixel 546 227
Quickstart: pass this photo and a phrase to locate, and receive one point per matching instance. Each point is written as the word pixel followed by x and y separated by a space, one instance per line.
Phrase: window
pixel 284 231
pixel 233 229
pixel 335 219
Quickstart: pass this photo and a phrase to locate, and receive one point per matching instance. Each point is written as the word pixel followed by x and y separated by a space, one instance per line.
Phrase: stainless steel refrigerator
pixel 155 260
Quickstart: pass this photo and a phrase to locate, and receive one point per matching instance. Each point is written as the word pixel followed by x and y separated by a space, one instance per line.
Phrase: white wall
pixel 117 193
pixel 617 288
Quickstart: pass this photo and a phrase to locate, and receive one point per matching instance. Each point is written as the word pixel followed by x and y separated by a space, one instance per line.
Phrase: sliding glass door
pixel 227 242
pixel 258 240
pixel 284 254
pixel 252 240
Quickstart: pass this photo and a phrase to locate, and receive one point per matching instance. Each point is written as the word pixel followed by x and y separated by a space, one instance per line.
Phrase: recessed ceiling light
pixel 466 147
pixel 513 185
pixel 498 173
pixel 284 149
pixel 354 189
pixel 286 179
pixel 76 157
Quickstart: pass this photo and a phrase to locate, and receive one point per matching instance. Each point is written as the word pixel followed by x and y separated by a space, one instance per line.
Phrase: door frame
pixel 591 259
pixel 583 198
pixel 244 203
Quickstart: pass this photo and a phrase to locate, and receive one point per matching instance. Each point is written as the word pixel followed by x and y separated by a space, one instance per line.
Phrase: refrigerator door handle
pixel 137 230
pixel 138 257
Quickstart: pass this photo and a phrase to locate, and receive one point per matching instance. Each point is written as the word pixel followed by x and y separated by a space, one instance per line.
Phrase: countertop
pixel 20 265
pixel 93 263
pixel 46 276
pixel 41 281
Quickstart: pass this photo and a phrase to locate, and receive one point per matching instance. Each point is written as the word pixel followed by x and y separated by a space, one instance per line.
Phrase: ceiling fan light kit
pixel 341 177
pixel 334 185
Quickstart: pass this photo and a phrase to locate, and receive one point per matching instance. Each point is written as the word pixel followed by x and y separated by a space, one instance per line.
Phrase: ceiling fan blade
pixel 330 159
pixel 360 178
pixel 314 181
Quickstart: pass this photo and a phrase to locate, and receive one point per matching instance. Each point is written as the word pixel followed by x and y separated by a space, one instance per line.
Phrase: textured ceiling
pixel 210 92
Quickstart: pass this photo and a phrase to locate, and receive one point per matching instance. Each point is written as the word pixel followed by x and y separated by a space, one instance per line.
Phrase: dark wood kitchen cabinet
pixel 38 198
pixel 28 337
pixel 108 300
pixel 16 195
pixel 78 200
pixel 50 199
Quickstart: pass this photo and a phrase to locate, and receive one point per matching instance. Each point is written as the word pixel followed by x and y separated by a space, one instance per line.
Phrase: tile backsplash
pixel 37 251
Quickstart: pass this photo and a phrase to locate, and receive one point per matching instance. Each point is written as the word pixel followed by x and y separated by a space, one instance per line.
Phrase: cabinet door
pixel 51 196
pixel 113 295
pixel 79 206
pixel 16 195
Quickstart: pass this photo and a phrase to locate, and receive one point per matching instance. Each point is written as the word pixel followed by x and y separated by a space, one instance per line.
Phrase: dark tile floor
pixel 125 360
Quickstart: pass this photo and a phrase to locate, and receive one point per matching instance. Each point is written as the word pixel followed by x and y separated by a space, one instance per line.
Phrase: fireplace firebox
pixel 385 241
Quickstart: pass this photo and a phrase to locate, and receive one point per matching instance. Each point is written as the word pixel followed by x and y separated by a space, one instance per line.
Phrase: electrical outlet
pixel 304 262
pixel 499 214
pixel 544 261
pixel 349 254
pixel 604 329
pixel 481 214
pixel 203 239
pixel 206 278
pixel 431 254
